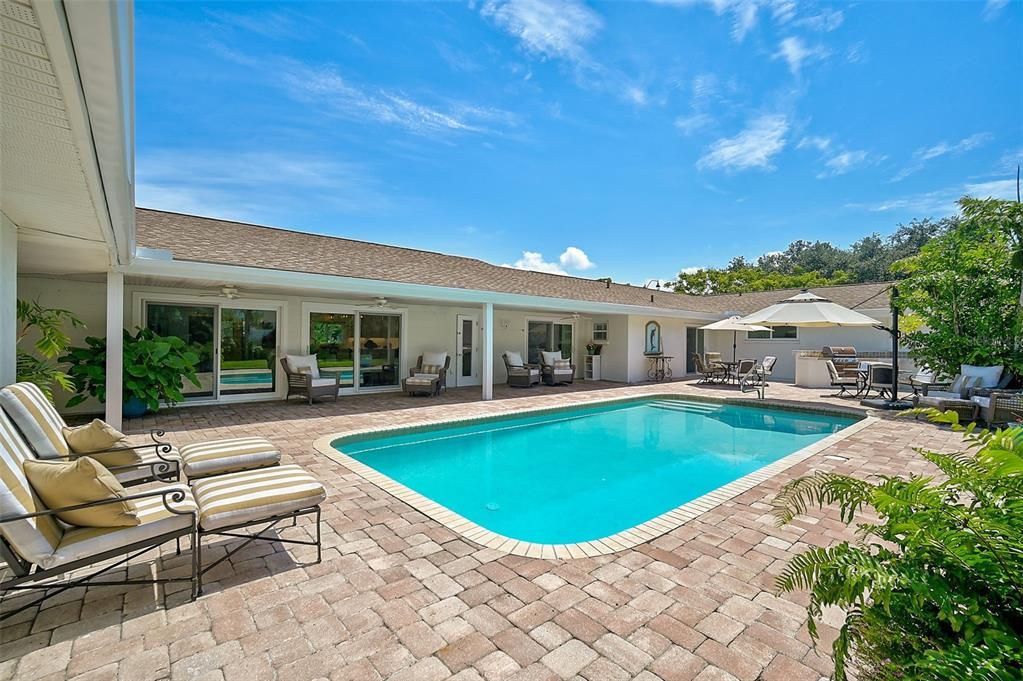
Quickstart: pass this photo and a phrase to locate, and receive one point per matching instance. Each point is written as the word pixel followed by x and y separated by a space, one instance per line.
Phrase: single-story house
pixel 71 237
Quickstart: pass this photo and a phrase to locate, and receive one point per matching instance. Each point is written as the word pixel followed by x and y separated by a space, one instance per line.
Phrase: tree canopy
pixel 816 263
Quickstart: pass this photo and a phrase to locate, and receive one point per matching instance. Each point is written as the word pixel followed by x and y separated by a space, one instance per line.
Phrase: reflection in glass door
pixel 196 325
pixel 694 344
pixel 548 336
pixel 379 348
pixel 248 351
pixel 332 340
pixel 465 361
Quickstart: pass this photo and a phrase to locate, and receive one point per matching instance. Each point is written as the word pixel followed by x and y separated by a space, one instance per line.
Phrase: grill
pixel 844 359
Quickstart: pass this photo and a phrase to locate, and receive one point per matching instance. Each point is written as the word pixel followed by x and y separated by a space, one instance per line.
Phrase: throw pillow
pixel 68 483
pixel 96 438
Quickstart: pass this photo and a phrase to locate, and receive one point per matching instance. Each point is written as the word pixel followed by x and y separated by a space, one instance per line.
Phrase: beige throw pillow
pixel 68 483
pixel 96 438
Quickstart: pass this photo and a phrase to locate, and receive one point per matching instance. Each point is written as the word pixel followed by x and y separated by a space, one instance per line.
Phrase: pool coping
pixel 619 541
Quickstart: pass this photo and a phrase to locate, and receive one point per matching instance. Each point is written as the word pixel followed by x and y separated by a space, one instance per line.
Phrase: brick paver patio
pixel 398 596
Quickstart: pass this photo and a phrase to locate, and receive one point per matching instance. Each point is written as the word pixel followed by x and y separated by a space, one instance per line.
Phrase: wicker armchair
pixel 520 374
pixel 999 407
pixel 310 385
pixel 556 369
pixel 429 376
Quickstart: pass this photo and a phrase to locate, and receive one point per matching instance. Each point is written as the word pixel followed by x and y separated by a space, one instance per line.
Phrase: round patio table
pixel 730 367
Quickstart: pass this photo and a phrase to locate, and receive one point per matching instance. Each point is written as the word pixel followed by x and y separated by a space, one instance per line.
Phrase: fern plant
pixel 932 589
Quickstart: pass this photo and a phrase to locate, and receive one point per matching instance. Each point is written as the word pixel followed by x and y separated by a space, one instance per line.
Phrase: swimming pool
pixel 581 474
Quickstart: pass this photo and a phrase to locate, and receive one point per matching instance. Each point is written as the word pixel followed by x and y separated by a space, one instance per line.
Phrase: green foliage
pixel 51 341
pixel 806 264
pixel 155 368
pixel 964 287
pixel 933 589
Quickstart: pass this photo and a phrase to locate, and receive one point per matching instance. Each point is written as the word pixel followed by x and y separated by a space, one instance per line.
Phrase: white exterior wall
pixel 673 344
pixel 863 339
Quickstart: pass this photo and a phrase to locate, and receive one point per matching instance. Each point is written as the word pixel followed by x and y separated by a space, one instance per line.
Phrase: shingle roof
pixel 210 240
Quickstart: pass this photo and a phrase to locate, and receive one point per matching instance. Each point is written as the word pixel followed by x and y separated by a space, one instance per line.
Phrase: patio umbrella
pixel 809 310
pixel 734 325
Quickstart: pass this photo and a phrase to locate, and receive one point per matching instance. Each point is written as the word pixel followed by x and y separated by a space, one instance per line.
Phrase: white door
pixel 466 366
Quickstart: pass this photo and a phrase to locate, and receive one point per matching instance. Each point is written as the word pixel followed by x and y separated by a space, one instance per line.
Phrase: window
pixel 599 332
pixel 549 336
pixel 332 340
pixel 776 333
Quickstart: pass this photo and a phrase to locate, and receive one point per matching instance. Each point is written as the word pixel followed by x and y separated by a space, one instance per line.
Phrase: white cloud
pixel 575 259
pixel 845 161
pixel 532 260
pixel 689 125
pixel 995 189
pixel 814 142
pixel 547 28
pixel 636 95
pixel 993 9
pixel 924 154
pixel 754 147
pixel 253 185
pixel 827 20
pixel 795 52
pixel 943 201
pixel 744 14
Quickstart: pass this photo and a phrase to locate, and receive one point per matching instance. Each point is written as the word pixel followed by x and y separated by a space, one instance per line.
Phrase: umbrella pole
pixel 733 344
pixel 893 402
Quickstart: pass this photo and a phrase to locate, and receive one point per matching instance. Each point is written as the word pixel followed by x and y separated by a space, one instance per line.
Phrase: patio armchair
pixel 709 373
pixel 38 545
pixel 555 369
pixel 843 383
pixel 751 377
pixel 957 398
pixel 429 376
pixel 305 378
pixel 999 407
pixel 520 374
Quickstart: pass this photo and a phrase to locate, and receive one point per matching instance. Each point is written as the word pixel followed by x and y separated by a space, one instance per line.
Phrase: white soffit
pixel 50 182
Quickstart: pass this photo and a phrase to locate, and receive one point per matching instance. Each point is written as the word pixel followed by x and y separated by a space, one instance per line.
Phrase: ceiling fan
pixel 229 291
pixel 379 303
pixel 574 317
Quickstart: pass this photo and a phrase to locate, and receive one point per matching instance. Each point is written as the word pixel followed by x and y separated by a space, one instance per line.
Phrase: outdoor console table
pixel 660 368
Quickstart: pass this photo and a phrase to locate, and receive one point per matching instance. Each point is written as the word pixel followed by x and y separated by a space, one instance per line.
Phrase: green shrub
pixel 51 341
pixel 155 368
pixel 934 589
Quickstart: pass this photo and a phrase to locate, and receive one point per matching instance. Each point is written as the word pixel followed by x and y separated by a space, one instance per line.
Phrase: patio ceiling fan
pixel 379 303
pixel 574 317
pixel 229 291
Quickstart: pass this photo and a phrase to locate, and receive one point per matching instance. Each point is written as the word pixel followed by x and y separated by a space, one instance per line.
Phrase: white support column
pixel 8 300
pixel 115 347
pixel 488 351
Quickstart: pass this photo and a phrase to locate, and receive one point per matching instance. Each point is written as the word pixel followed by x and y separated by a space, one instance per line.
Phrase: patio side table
pixel 660 368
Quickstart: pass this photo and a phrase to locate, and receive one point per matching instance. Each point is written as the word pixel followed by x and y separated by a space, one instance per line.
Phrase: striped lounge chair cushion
pixel 144 469
pixel 238 498
pixel 34 539
pixel 202 459
pixel 432 369
pixel 37 418
pixel 156 519
pixel 420 379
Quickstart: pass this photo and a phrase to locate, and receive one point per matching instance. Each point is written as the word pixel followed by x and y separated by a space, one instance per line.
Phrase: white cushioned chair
pixel 305 378
pixel 556 369
pixel 429 376
pixel 520 374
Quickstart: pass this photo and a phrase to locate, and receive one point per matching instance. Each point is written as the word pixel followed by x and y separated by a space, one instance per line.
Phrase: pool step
pixel 687 407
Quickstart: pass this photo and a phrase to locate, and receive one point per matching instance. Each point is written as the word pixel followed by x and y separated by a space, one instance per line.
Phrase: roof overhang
pixel 68 134
pixel 182 272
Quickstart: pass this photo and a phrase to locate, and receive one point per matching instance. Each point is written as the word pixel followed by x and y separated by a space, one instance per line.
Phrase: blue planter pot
pixel 133 408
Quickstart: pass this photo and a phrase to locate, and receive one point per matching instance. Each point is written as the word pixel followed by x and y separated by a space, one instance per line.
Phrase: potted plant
pixel 47 326
pixel 593 348
pixel 155 368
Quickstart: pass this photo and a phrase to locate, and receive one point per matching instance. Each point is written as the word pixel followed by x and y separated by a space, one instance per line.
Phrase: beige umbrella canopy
pixel 734 325
pixel 808 310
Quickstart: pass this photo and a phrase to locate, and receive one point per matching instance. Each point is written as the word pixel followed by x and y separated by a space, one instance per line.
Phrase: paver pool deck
pixel 400 596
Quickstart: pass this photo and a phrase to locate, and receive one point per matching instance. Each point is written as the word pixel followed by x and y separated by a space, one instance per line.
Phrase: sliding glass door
pixel 196 325
pixel 379 347
pixel 332 340
pixel 248 351
pixel 549 336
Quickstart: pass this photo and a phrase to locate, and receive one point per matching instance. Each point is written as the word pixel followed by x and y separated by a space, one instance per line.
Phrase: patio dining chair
pixel 709 373
pixel 843 383
pixel 751 377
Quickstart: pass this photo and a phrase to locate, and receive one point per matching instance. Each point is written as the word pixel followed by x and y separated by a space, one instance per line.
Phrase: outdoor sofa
pixel 520 374
pixel 234 485
pixel 973 381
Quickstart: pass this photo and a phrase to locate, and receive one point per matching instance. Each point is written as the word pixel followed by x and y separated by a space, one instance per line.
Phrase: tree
pixel 963 287
pixel 51 342
pixel 933 589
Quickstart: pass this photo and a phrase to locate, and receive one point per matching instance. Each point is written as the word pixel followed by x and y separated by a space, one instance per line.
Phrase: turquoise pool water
pixel 581 474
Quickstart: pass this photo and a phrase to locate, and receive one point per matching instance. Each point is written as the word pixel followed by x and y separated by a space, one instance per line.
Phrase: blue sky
pixel 626 139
